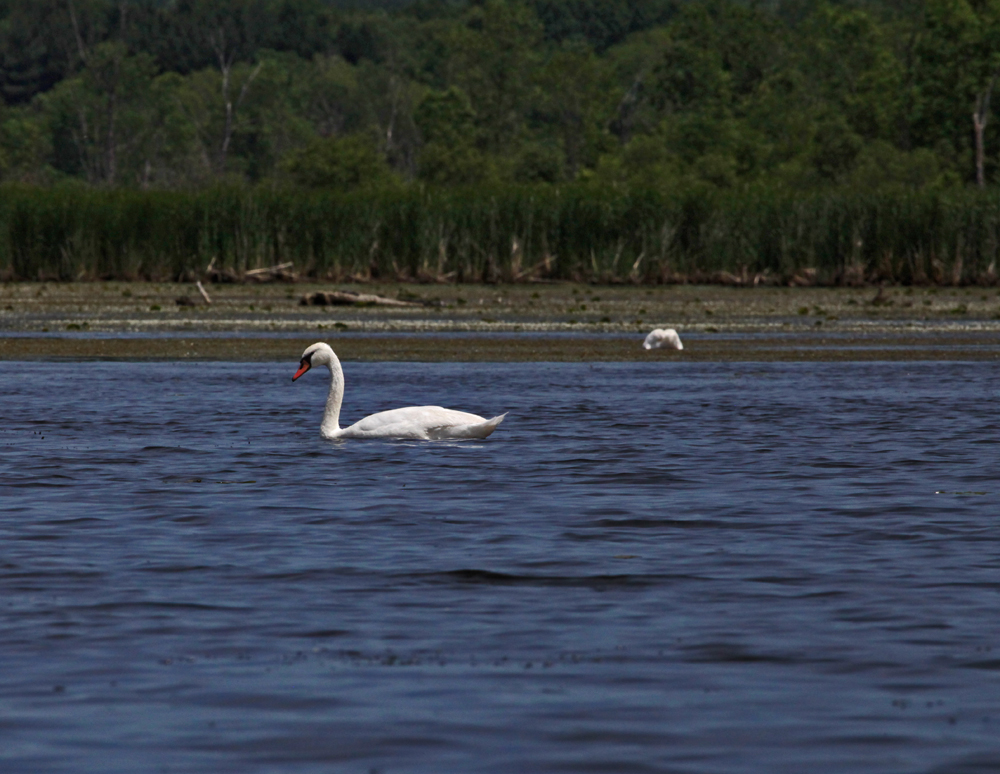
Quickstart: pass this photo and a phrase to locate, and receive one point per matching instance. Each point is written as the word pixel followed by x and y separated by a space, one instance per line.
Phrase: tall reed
pixel 561 232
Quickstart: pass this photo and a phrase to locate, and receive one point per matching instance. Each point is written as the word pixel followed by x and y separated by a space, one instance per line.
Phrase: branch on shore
pixel 271 272
pixel 204 293
pixel 281 271
pixel 347 298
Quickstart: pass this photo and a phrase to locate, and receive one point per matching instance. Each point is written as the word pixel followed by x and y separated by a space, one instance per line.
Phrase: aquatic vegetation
pixel 503 233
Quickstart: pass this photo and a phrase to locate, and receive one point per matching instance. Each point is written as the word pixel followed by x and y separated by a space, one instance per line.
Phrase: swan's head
pixel 315 355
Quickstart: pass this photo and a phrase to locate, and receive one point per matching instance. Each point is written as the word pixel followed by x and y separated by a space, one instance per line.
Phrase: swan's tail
pixel 490 425
pixel 478 430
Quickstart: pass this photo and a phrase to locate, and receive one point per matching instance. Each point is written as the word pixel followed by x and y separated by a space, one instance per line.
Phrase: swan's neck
pixel 331 417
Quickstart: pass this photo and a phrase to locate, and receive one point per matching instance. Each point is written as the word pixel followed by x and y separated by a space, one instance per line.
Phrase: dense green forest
pixel 609 139
pixel 658 93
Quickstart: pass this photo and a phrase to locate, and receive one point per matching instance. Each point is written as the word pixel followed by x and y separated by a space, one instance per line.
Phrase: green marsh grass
pixel 580 232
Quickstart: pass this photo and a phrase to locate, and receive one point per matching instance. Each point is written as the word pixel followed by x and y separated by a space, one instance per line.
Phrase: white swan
pixel 426 423
pixel 663 337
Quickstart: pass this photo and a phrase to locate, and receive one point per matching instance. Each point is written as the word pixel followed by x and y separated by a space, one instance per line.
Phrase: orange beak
pixel 303 367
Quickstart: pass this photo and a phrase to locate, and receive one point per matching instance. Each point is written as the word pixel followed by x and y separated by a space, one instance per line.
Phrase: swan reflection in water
pixel 427 423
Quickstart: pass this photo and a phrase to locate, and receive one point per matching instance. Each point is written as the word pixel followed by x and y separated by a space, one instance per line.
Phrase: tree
pixel 226 35
pixel 105 110
pixel 491 60
pixel 205 99
pixel 37 50
pixel 447 124
pixel 575 106
pixel 232 97
pixel 959 53
pixel 344 163
pixel 327 94
pixel 25 145
pixel 980 117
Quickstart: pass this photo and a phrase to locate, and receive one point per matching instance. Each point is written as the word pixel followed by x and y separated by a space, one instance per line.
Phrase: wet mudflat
pixel 561 307
pixel 564 322
pixel 651 566
pixel 909 345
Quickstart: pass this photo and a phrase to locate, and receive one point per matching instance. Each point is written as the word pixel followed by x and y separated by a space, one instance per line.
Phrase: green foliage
pixel 601 23
pixel 880 166
pixel 572 115
pixel 25 147
pixel 720 96
pixel 539 163
pixel 450 154
pixel 343 163
pixel 835 148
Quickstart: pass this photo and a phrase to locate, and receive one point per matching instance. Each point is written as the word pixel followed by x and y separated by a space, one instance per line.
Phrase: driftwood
pixel 269 271
pixel 204 293
pixel 745 279
pixel 346 298
pixel 803 278
pixel 188 301
pixel 281 271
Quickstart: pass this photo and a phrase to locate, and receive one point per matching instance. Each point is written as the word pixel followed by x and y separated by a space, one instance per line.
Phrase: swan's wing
pixel 654 339
pixel 477 430
pixel 421 422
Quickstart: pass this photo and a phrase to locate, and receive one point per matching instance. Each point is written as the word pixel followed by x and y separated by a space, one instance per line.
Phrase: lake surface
pixel 659 567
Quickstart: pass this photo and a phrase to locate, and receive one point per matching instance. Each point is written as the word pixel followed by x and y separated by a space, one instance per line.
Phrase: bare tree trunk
pixel 231 109
pixel 83 147
pixel 980 117
pixel 227 131
pixel 394 90
pixel 81 49
pixel 905 139
pixel 225 66
pixel 83 141
pixel 111 147
pixel 111 156
pixel 226 60
pixel 621 124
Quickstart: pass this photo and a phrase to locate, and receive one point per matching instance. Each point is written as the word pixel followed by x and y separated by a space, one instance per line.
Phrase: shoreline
pixel 504 323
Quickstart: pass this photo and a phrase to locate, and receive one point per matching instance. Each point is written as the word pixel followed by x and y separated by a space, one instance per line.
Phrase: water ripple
pixel 782 567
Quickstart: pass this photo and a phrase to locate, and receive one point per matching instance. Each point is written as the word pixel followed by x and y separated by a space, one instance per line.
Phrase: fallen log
pixel 276 269
pixel 347 298
pixel 281 271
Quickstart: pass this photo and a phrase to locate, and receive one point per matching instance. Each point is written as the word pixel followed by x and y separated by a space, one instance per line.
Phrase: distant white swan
pixel 426 423
pixel 663 337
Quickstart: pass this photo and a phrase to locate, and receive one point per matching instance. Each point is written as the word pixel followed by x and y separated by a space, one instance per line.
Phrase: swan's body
pixel 425 423
pixel 663 337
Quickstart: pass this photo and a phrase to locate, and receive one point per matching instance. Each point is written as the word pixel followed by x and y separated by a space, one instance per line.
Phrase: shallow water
pixel 649 567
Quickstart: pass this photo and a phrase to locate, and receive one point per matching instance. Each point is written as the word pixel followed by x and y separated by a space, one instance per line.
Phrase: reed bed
pixel 522 233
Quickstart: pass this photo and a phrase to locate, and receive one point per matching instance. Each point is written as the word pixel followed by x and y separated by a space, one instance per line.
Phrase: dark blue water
pixel 648 568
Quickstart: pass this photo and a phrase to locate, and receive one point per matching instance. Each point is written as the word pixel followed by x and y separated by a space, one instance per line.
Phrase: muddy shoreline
pixel 559 322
